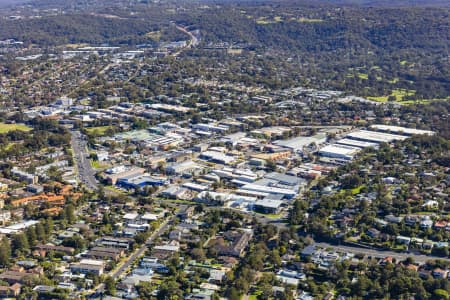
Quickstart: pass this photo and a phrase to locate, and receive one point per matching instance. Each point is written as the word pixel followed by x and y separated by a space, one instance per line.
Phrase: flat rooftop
pixel 356 143
pixel 376 137
pixel 340 149
pixel 402 130
pixel 300 142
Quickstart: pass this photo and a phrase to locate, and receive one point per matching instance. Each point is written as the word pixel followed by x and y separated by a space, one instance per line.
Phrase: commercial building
pixel 401 130
pixel 299 143
pixel 140 181
pixel 273 131
pixel 261 191
pixel 268 206
pixel 211 127
pixel 218 157
pixel 176 192
pixel 114 177
pixel 356 143
pixel 339 151
pixel 170 108
pixel 375 137
pixel 184 168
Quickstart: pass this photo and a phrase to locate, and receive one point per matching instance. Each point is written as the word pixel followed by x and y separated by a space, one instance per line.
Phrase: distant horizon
pixel 394 3
pixel 10 2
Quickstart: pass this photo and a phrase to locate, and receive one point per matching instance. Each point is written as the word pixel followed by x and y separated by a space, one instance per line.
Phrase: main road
pixel 86 174
pixel 375 253
pixel 193 41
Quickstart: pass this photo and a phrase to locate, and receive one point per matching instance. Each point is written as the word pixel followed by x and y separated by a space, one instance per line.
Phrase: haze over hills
pixel 225 149
pixel 387 3
pixel 106 3
pixel 4 3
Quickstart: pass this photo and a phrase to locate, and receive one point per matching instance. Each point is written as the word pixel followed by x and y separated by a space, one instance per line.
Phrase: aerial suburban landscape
pixel 206 150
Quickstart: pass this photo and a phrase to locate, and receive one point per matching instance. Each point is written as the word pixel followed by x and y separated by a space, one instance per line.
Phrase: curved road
pixel 192 42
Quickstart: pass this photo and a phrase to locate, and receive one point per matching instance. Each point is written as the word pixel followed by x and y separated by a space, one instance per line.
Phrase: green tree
pixel 69 212
pixel 48 226
pixel 31 235
pixel 40 232
pixel 110 286
pixel 5 252
pixel 170 290
pixel 233 294
pixel 20 242
pixel 75 241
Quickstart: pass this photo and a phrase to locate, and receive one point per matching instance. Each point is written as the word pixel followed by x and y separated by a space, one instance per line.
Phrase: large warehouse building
pixel 375 137
pixel 339 151
pixel 401 130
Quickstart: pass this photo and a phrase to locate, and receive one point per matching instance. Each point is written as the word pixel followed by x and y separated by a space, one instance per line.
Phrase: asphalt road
pixel 137 254
pixel 86 174
pixel 119 272
pixel 419 258
pixel 192 42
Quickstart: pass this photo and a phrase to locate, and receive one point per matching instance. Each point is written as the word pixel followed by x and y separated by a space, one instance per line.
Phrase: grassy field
pixel 234 51
pixel 270 216
pixel 116 190
pixel 5 128
pixel 357 190
pixel 398 94
pixel 154 35
pixel 9 146
pixel 98 165
pixel 306 20
pixel 85 102
pixel 76 45
pixel 363 76
pixel 100 130
pixel 265 20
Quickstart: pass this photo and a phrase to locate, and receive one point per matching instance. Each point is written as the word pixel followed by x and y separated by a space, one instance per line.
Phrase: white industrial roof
pixel 267 189
pixel 302 141
pixel 340 149
pixel 215 155
pixel 269 203
pixel 400 130
pixel 149 216
pixel 92 262
pixel 355 143
pixel 377 137
pixel 130 216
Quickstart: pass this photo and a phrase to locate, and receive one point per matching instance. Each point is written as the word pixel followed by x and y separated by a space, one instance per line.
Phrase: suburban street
pixel 120 271
pixel 86 174
pixel 419 258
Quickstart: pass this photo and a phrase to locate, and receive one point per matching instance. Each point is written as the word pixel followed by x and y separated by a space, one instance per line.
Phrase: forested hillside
pixel 353 47
pixel 387 52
